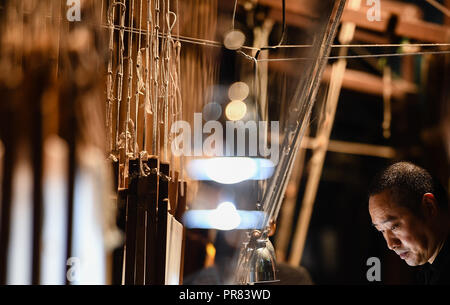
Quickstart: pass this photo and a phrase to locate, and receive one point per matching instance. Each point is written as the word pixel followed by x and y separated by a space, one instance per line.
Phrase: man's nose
pixel 392 241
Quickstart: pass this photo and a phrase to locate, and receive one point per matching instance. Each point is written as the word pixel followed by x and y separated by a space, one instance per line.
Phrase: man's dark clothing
pixel 437 273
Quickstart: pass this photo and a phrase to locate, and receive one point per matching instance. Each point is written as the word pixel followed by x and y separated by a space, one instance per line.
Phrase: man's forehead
pixel 383 200
pixel 382 209
pixel 386 219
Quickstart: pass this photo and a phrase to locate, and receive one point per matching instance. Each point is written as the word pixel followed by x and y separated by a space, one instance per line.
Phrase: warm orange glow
pixel 238 91
pixel 236 110
pixel 210 255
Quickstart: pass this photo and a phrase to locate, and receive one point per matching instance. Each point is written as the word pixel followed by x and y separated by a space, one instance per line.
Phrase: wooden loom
pixel 144 97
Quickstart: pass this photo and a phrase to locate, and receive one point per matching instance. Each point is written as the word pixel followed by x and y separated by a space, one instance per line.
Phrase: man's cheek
pixel 406 234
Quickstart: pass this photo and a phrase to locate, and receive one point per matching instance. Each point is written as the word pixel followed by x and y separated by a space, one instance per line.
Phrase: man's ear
pixel 430 204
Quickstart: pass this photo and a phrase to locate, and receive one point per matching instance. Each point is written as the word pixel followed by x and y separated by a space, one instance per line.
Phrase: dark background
pixel 340 237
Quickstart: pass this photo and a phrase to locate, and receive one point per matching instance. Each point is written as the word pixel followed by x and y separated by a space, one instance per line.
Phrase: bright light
pixel 234 40
pixel 225 217
pixel 218 219
pixel 236 110
pixel 238 91
pixel 230 170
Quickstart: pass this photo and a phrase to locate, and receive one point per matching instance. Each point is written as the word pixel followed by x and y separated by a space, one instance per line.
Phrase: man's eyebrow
pixel 389 219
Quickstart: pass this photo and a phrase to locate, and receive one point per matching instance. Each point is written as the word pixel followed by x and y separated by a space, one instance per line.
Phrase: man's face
pixel 405 233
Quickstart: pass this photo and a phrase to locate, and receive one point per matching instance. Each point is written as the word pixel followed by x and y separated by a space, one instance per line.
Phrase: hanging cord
pixel 140 84
pixel 120 73
pixel 148 103
pixel 283 33
pixel 234 14
pixel 168 84
pixel 166 77
pixel 175 93
pixel 130 80
pixel 109 84
pixel 155 139
pixel 179 96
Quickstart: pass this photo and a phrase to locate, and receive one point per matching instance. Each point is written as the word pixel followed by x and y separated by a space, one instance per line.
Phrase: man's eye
pixel 394 227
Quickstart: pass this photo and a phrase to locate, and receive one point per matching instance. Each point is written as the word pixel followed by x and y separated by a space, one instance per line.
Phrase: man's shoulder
pixel 441 265
pixel 423 274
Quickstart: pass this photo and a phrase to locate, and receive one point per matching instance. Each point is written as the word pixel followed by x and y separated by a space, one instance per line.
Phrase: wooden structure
pixel 397 20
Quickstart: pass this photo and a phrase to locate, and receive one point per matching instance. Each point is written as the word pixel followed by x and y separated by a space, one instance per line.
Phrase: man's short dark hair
pixel 407 184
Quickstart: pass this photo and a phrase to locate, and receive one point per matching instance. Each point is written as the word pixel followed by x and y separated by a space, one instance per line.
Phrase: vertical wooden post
pixel 130 240
pixel 284 230
pixel 161 237
pixel 319 153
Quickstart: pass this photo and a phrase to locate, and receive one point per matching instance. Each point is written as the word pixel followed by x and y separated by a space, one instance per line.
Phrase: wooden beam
pixel 361 149
pixel 370 37
pixel 402 9
pixel 359 18
pixel 356 80
pixel 423 31
pixel 371 84
pixel 408 24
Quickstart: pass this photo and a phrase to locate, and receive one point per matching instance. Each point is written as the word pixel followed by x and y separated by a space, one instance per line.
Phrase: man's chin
pixel 413 262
